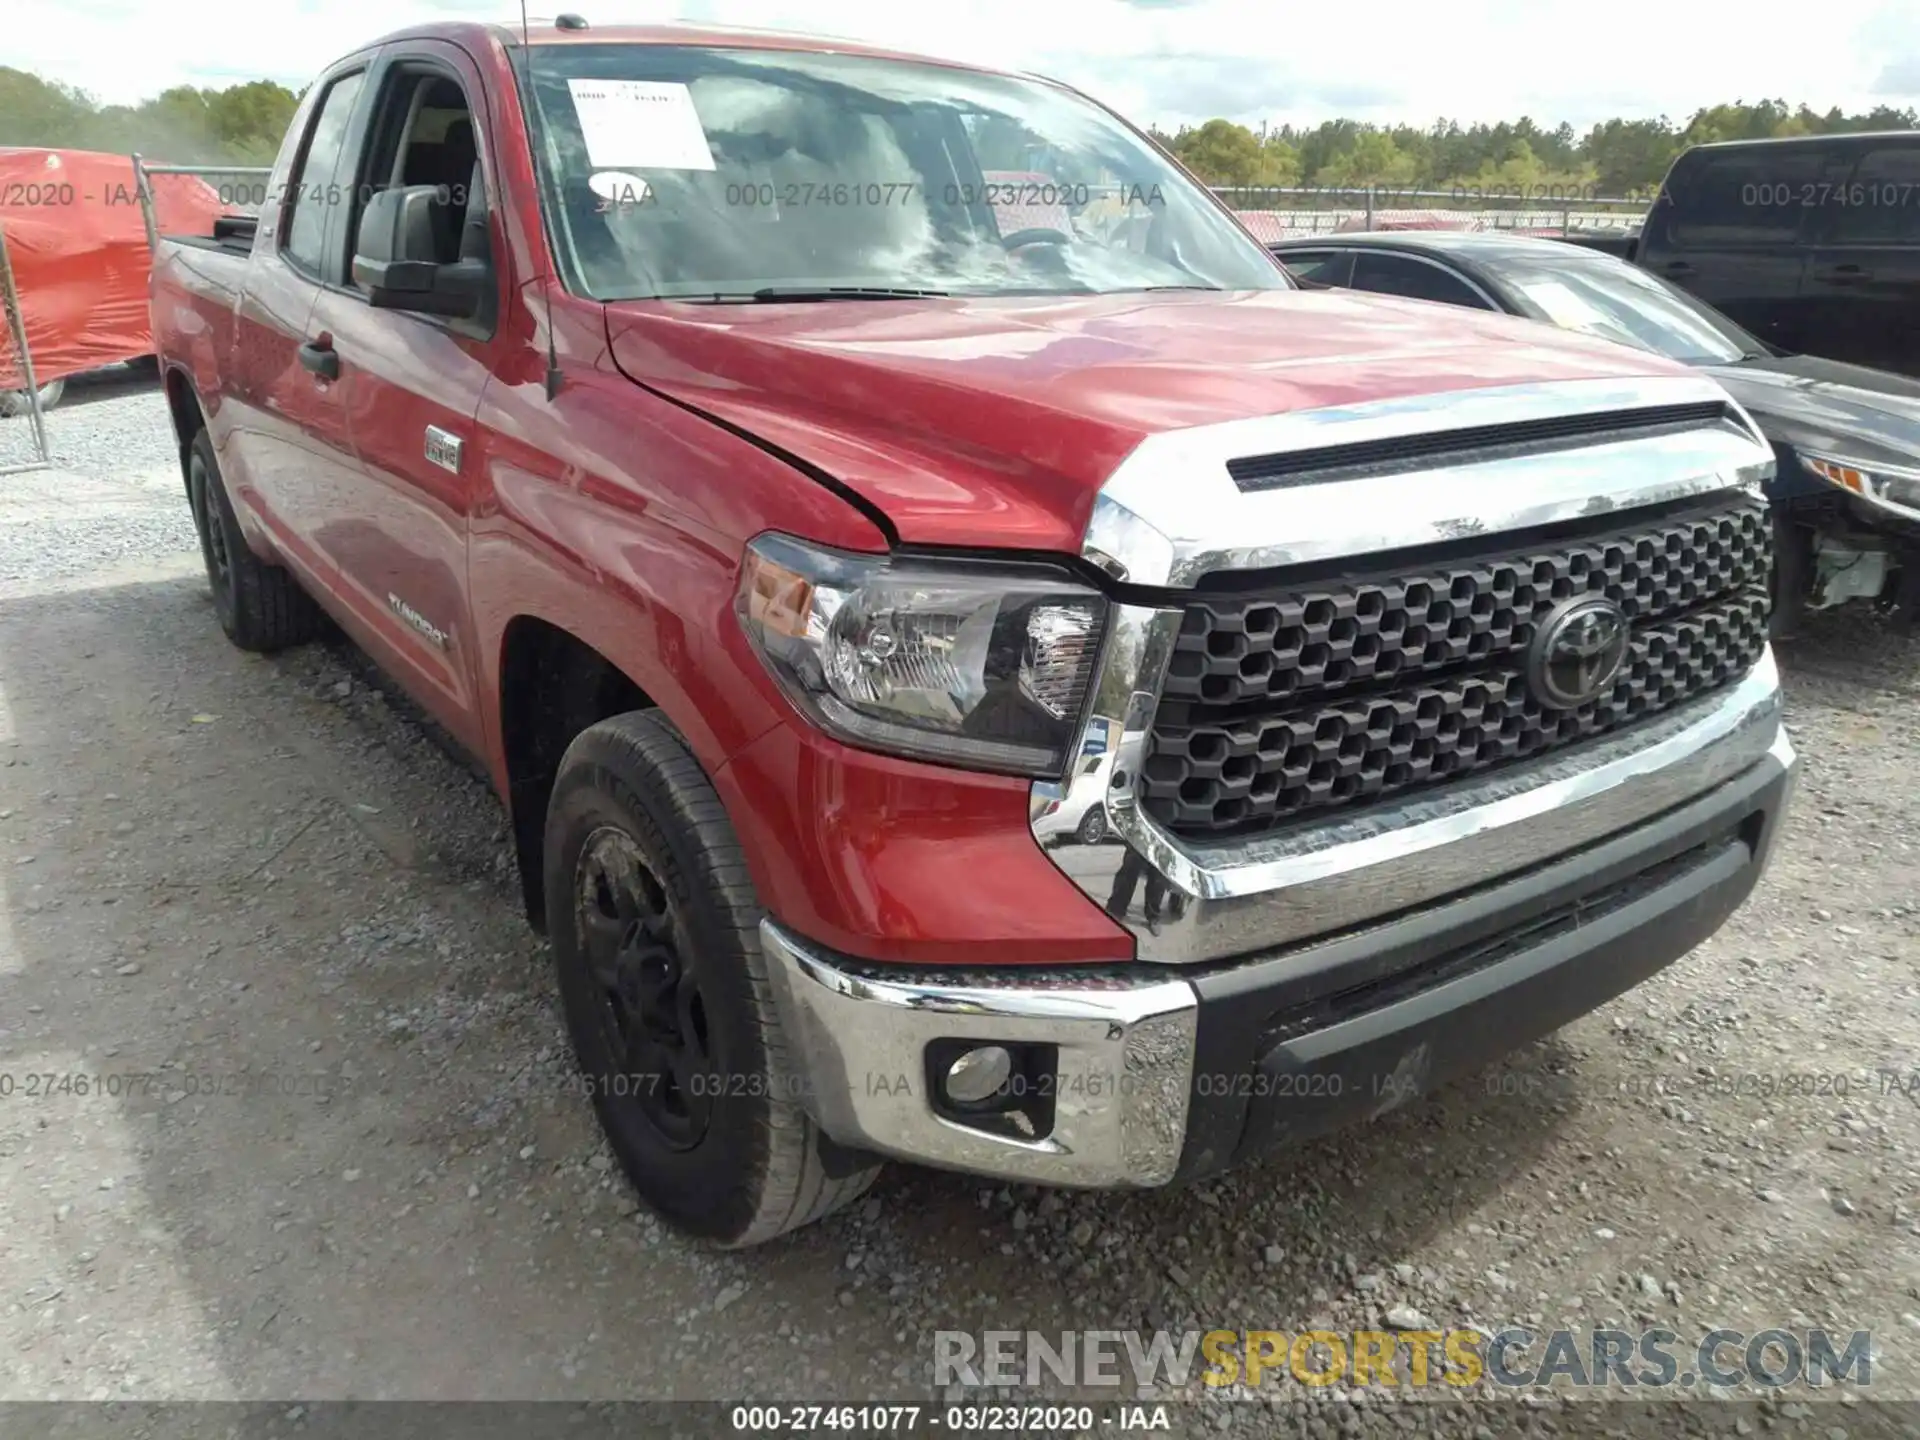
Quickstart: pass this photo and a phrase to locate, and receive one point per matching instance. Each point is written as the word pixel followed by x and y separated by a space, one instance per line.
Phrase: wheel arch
pixel 553 684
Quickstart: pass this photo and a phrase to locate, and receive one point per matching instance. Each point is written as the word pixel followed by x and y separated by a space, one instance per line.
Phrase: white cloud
pixel 1160 61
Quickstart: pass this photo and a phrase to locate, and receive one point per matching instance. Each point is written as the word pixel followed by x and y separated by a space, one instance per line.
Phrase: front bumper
pixel 1157 1075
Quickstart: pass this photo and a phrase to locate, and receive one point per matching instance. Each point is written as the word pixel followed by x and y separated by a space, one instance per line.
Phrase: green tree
pixel 1373 159
pixel 242 124
pixel 1223 153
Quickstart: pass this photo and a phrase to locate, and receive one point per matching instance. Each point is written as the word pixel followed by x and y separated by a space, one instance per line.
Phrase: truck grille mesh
pixel 1327 693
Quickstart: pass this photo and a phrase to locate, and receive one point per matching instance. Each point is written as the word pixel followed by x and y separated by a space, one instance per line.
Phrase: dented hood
pixel 994 422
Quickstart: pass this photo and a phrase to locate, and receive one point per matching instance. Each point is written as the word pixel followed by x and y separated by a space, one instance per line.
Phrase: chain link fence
pixel 1278 212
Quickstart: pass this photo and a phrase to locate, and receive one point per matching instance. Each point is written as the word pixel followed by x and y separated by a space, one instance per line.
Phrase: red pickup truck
pixel 674 414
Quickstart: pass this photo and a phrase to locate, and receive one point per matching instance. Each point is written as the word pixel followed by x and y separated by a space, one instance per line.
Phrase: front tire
pixel 260 606
pixel 655 932
pixel 1093 826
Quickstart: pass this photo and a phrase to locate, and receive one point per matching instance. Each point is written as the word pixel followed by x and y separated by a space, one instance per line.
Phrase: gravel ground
pixel 214 866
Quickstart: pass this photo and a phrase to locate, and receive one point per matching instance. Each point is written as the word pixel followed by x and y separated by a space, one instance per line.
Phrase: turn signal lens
pixel 1890 487
pixel 1839 474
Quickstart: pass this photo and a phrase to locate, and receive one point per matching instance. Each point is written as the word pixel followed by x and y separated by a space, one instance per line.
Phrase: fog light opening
pixel 978 1075
pixel 1003 1088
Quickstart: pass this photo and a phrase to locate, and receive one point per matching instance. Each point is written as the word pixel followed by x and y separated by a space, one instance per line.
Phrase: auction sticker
pixel 617 187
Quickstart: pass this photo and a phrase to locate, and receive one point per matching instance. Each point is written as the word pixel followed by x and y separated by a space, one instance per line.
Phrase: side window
pixel 423 134
pixel 1745 197
pixel 1322 267
pixel 1415 279
pixel 316 189
pixel 1881 203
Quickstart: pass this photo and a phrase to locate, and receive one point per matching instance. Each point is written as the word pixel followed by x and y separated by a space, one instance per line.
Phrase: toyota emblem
pixel 1577 652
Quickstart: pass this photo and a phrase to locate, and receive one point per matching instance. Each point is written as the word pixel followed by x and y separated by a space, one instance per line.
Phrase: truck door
pixel 413 384
pixel 1863 277
pixel 288 449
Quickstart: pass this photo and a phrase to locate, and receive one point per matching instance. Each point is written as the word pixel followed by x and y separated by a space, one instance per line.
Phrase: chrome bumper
pixel 1130 1039
pixel 859 1046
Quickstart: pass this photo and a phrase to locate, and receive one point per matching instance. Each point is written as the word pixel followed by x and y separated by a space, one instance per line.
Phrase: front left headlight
pixel 986 666
pixel 1893 486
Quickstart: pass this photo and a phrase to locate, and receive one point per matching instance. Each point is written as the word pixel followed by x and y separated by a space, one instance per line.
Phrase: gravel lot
pixel 214 865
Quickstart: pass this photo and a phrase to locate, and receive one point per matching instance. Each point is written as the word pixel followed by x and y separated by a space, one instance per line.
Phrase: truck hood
pixel 995 422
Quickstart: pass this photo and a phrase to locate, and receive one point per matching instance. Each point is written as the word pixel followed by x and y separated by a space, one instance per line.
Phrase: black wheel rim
pixel 213 533
pixel 651 1014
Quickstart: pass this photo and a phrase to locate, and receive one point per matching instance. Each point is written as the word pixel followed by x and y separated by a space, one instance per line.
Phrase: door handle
pixel 1678 267
pixel 1846 275
pixel 321 358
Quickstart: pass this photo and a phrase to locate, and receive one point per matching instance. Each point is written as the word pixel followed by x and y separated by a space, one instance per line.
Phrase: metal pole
pixel 1369 206
pixel 145 191
pixel 17 323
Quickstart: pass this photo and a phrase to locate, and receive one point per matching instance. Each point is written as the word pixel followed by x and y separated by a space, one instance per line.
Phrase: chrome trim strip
pixel 858 1045
pixel 1170 513
pixel 1281 888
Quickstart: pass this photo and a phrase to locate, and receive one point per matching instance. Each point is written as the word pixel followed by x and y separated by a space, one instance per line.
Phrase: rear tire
pixel 655 932
pixel 260 606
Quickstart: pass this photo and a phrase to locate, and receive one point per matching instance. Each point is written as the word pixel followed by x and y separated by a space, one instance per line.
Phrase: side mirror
pixel 395 256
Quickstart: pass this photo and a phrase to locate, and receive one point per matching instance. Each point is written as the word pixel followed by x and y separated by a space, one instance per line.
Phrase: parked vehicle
pixel 1621 244
pixel 1079 813
pixel 1812 243
pixel 1846 491
pixel 780 532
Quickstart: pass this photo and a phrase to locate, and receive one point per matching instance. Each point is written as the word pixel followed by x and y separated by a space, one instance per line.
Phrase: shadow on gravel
pixel 1847 653
pixel 220 900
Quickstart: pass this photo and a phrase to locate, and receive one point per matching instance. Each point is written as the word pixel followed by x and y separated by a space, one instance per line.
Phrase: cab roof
pixel 704 36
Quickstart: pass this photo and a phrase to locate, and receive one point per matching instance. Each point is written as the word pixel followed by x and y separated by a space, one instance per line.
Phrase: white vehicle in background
pixel 1078 814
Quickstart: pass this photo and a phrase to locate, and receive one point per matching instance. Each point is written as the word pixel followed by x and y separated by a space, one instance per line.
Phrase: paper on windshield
pixel 640 125
pixel 1565 308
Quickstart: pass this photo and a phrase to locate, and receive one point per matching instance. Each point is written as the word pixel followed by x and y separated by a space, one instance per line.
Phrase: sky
pixel 1162 62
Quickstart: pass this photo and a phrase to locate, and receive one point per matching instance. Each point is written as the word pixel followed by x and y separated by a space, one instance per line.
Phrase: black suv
pixel 1812 243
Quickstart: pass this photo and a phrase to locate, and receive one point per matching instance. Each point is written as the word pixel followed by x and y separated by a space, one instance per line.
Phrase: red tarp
pixel 80 260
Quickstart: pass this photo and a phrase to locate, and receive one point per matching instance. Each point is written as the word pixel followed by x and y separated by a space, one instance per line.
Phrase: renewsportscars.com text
pixel 1516 1357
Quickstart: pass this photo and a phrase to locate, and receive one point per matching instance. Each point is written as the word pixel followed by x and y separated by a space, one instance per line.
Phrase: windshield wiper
pixel 795 294
pixel 1180 287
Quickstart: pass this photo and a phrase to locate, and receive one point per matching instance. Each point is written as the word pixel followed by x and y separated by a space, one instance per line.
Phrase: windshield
pixel 1617 301
pixel 698 173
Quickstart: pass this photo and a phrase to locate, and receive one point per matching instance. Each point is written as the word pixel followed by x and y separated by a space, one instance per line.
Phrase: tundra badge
pixel 418 621
pixel 443 448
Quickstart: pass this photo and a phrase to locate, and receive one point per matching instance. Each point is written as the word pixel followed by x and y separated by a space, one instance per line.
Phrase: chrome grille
pixel 1296 696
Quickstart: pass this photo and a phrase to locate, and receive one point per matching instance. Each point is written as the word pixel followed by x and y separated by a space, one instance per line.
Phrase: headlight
pixel 982 665
pixel 1890 485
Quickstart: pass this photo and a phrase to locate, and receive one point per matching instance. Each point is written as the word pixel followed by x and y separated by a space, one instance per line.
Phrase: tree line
pixel 238 125
pixel 1614 158
pixel 243 125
